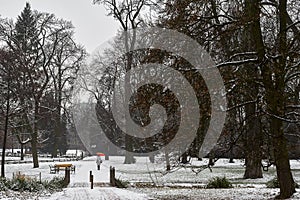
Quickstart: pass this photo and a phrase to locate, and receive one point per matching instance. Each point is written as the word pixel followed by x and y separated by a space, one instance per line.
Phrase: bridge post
pixel 112 172
pixel 67 175
pixel 92 179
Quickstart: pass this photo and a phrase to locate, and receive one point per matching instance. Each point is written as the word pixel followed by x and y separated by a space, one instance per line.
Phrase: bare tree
pixel 273 73
pixel 33 40
pixel 67 59
pixel 266 66
pixel 129 14
pixel 7 96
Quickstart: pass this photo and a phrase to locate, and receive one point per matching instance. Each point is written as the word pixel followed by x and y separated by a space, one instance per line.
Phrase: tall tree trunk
pixel 34 136
pixel 286 181
pixel 254 138
pixel 151 157
pixel 22 151
pixel 211 161
pixel 168 165
pixel 22 143
pixel 107 151
pixel 5 130
pixel 57 133
pixel 231 156
pixel 184 158
pixel 34 151
pixel 58 124
pixel 129 159
pixel 253 141
pixel 285 178
pixel 274 83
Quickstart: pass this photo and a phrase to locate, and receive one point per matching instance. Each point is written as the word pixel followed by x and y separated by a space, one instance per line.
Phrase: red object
pixel 100 154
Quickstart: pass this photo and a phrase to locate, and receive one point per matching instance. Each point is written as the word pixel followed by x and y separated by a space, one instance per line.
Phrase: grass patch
pixel 219 182
pixel 121 183
pixel 23 183
pixel 56 184
pixel 274 183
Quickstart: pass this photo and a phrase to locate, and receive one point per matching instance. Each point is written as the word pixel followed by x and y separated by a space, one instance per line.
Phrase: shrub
pixel 274 183
pixel 3 184
pixel 57 183
pixel 219 182
pixel 24 183
pixel 121 184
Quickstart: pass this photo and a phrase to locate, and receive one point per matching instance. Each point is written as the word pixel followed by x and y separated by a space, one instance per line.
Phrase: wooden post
pixel 91 180
pixel 110 179
pixel 67 175
pixel 112 176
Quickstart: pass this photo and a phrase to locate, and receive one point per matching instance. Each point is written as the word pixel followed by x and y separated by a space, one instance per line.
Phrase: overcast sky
pixel 92 26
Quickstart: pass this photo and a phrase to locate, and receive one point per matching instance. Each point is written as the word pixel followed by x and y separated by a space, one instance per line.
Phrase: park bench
pixel 73 169
pixel 267 164
pixel 52 169
pixel 57 167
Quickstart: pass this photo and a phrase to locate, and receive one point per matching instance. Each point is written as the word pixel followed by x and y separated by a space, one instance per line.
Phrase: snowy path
pixel 81 177
pixel 84 193
pixel 79 187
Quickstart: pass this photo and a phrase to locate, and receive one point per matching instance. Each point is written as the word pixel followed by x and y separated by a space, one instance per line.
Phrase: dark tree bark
pixel 5 129
pixel 275 98
pixel 184 158
pixel 128 14
pixel 129 159
pixel 151 157
pixel 277 107
pixel 22 144
pixel 168 165
pixel 253 149
pixel 34 137
pixel 211 161
pixel 67 60
pixel 254 138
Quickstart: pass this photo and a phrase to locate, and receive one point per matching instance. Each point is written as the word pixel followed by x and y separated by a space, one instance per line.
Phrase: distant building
pixel 75 153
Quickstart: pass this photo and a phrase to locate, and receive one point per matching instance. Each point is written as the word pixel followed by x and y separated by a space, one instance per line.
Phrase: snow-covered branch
pixel 238 62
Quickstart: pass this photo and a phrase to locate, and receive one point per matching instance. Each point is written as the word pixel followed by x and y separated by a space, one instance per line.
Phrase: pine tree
pixel 26 31
pixel 31 60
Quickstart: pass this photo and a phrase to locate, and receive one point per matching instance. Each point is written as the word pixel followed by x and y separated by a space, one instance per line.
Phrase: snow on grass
pixel 181 183
pixel 195 194
pixel 144 171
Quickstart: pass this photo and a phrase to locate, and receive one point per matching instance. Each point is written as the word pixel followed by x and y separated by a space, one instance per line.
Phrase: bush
pixel 3 184
pixel 57 183
pixel 274 183
pixel 121 184
pixel 219 182
pixel 23 183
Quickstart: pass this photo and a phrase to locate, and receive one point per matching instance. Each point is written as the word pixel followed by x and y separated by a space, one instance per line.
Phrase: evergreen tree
pixel 31 71
pixel 26 31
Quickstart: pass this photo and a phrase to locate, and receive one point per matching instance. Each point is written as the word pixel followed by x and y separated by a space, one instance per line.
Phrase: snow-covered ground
pixel 79 187
pixel 182 183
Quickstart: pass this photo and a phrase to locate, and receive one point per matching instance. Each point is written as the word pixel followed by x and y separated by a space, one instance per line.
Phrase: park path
pixel 82 174
pixel 79 187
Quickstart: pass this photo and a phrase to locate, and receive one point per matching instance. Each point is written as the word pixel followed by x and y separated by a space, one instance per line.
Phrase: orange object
pixel 63 165
pixel 100 154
